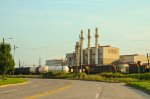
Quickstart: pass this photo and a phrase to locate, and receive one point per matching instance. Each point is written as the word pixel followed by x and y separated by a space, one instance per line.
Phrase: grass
pixel 26 76
pixel 144 76
pixel 141 81
pixel 12 81
pixel 143 85
pixel 104 77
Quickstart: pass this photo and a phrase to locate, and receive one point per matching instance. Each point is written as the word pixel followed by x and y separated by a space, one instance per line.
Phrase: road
pixel 70 89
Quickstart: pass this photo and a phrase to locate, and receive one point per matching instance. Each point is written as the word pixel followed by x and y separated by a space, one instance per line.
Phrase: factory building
pixel 71 61
pixel 92 56
pixel 133 58
pixel 106 55
pixel 56 62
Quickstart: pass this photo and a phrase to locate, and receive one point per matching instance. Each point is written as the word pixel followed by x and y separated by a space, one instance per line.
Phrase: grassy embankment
pixel 106 77
pixel 142 85
pixel 141 81
pixel 11 81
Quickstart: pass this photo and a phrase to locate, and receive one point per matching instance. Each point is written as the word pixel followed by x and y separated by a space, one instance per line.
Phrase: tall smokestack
pixel 96 45
pixel 89 41
pixel 82 44
pixel 77 50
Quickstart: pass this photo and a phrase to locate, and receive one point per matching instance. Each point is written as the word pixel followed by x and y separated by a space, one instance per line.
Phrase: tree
pixel 6 60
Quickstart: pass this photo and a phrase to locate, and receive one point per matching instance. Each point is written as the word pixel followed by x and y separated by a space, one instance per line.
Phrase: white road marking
pixel 97 95
pixel 34 85
pixel 7 91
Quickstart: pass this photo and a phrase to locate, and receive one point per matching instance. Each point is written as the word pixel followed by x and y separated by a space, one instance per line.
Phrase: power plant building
pixel 55 62
pixel 133 58
pixel 92 56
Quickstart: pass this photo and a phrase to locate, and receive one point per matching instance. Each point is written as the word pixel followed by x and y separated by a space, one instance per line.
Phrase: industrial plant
pixel 92 56
pixel 92 59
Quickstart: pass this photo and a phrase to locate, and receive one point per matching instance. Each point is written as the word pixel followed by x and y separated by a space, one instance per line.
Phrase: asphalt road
pixel 70 89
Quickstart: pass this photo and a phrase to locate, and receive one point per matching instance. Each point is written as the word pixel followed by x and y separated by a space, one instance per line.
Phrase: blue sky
pixel 50 28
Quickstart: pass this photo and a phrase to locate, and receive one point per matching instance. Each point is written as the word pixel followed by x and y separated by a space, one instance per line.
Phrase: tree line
pixel 6 60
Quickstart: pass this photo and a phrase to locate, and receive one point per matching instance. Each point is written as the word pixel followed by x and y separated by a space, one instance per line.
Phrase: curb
pixel 14 84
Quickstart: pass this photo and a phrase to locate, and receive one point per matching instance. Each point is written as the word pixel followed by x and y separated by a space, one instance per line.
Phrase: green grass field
pixel 12 81
pixel 143 85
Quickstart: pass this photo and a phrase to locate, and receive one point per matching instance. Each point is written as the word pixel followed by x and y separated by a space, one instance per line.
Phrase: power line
pixel 48 47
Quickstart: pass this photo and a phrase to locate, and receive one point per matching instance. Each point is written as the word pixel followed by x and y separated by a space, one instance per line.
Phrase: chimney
pixel 89 41
pixel 96 46
pixel 77 50
pixel 82 44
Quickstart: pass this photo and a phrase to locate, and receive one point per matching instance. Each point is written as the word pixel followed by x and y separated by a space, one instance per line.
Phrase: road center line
pixel 34 85
pixel 97 95
pixel 7 91
pixel 48 92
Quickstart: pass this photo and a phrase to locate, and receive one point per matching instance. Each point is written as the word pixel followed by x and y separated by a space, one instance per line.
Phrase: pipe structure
pixel 81 48
pixel 77 48
pixel 89 41
pixel 96 45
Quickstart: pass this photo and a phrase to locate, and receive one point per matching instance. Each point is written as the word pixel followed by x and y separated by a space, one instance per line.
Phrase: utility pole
pixel 19 64
pixel 39 61
pixel 148 61
pixel 19 67
pixel 14 50
pixel 139 64
pixel 3 40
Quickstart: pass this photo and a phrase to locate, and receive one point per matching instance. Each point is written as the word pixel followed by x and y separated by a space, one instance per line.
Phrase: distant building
pixel 133 58
pixel 106 55
pixel 71 61
pixel 55 62
pixel 98 55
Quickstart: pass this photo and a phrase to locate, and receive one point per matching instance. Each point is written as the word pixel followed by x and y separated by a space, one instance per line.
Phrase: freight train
pixel 38 70
pixel 126 68
pixel 92 69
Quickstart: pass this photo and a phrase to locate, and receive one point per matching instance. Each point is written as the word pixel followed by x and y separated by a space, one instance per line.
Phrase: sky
pixel 48 29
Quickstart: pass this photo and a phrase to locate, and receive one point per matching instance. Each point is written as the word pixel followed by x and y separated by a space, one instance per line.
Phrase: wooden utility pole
pixel 139 64
pixel 148 61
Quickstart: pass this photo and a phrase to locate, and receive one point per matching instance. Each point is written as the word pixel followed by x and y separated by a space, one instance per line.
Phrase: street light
pixel 5 39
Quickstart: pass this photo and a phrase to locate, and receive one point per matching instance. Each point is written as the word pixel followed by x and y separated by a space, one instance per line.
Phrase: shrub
pixel 95 78
pixel 55 74
pixel 81 75
pixel 112 75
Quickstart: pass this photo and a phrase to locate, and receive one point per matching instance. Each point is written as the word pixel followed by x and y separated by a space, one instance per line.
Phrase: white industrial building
pixel 98 55
pixel 133 58
pixel 56 62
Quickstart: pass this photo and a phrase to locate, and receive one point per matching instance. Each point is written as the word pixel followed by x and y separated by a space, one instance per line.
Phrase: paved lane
pixel 34 86
pixel 70 89
pixel 97 90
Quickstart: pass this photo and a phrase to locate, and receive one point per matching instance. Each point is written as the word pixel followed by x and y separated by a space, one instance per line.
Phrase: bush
pixel 55 74
pixel 81 75
pixel 95 78
pixel 112 75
